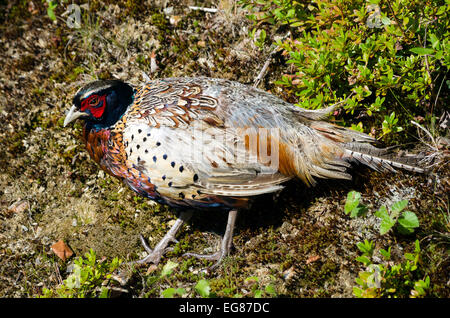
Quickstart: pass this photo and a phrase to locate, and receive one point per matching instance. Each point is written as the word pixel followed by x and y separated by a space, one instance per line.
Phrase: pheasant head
pixel 101 103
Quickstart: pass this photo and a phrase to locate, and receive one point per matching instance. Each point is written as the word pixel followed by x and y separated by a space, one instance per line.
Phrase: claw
pixel 225 246
pixel 154 255
pixel 145 245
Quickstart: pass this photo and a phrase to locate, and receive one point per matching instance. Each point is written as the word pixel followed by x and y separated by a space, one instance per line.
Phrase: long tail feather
pixel 381 159
pixel 357 146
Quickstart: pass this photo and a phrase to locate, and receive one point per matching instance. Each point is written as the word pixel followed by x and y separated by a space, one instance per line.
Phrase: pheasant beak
pixel 72 115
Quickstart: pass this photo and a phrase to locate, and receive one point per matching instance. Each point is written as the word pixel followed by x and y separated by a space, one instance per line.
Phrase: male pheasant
pixel 204 143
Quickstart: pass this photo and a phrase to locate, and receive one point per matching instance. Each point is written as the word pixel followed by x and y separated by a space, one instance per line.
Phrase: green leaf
pixel 386 254
pixel 410 257
pixel 382 212
pixel 358 211
pixel 364 259
pixel 357 292
pixel 407 222
pixel 202 288
pixel 51 14
pixel 352 202
pixel 386 225
pixel 50 10
pixel 168 293
pixel 422 50
pixel 434 40
pixel 386 221
pixel 171 292
pixel 180 291
pixel 168 268
pixel 386 21
pixel 270 290
pixel 104 292
pixel 74 279
pixel 397 207
pixel 367 247
pixel 417 246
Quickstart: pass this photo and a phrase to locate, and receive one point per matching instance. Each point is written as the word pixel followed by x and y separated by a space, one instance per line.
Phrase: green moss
pixel 159 20
pixel 19 11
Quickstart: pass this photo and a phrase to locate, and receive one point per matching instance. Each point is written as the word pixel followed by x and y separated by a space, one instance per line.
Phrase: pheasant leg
pixel 154 255
pixel 225 245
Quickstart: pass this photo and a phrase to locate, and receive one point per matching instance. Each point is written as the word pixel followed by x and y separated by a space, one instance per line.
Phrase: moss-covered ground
pixel 301 242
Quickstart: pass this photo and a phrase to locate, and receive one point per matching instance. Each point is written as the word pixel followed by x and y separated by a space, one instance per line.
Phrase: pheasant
pixel 205 143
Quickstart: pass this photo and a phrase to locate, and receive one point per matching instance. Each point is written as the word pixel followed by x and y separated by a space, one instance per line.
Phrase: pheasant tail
pixel 358 147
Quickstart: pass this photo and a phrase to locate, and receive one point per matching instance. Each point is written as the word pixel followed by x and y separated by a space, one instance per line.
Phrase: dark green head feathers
pixel 101 103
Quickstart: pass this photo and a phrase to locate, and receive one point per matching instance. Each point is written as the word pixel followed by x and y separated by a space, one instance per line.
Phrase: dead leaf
pixel 62 250
pixel 174 20
pixel 289 273
pixel 312 259
pixel 18 207
pixel 151 269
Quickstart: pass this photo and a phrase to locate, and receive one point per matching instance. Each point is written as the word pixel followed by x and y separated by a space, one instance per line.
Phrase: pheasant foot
pixel 225 245
pixel 154 255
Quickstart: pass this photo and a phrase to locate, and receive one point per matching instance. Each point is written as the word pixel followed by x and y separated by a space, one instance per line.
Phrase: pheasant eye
pixel 93 101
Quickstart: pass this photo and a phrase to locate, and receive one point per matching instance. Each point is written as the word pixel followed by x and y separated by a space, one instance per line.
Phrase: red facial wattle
pixel 95 104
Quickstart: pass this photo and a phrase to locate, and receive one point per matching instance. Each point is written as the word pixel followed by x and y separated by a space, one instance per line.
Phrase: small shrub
pixel 257 290
pixel 406 221
pixel 89 278
pixel 388 279
pixel 385 59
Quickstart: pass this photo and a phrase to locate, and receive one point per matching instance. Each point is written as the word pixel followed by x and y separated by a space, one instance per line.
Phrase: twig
pixel 396 20
pixel 427 66
pixel 267 63
pixel 212 10
pixel 437 96
pixel 263 71
pixel 17 278
pixel 428 133
pixel 58 274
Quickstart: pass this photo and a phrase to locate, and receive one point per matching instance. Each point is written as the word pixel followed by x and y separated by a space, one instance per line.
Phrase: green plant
pixel 51 9
pixel 367 248
pixel 388 279
pixel 353 206
pixel 89 278
pixel 166 272
pixel 172 292
pixel 202 287
pixel 257 291
pixel 390 124
pixel 387 59
pixel 407 221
